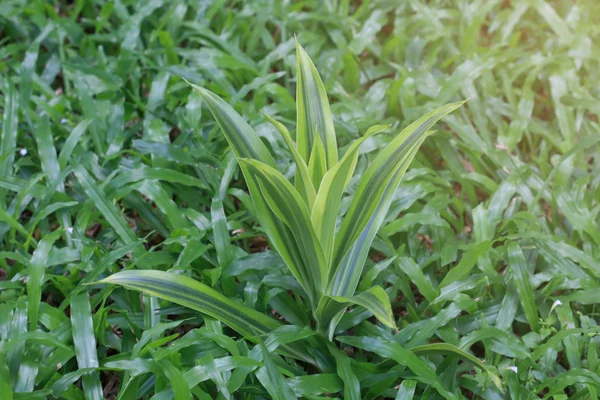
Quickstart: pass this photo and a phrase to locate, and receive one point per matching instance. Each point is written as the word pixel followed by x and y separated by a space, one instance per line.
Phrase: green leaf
pixel 271 379
pixel 176 379
pixel 372 200
pixel 287 205
pixel 406 390
pixel 344 371
pixel 37 337
pixel 68 379
pixel 451 349
pixel 47 151
pixel 417 277
pixel 106 207
pixel 522 281
pixel 375 300
pixel 388 349
pixel 466 264
pixel 85 345
pixel 71 142
pixel 5 387
pixel 303 182
pixel 241 137
pixel 370 275
pixel 310 386
pixel 497 341
pixel 8 141
pixel 574 376
pixel 313 112
pixel 37 269
pixel 197 296
pixel 225 250
pixel 155 192
pixel 13 223
pixel 327 204
pixel 317 165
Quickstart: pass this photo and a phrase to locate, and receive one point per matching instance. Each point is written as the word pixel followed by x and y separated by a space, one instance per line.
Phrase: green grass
pixel 109 161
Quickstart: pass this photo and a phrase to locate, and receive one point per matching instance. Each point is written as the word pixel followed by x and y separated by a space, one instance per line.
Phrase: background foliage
pixel 109 161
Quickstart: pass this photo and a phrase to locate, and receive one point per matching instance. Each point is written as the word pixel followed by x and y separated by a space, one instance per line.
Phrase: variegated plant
pixel 300 218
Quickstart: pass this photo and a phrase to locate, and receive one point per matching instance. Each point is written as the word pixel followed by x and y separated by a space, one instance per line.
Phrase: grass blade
pixel 271 379
pixel 8 141
pixel 406 390
pixel 85 345
pixel 197 296
pixel 344 370
pixel 37 267
pixel 107 208
pixel 327 204
pixel 418 278
pixel 451 349
pixel 383 170
pixel 388 349
pixel 287 205
pixel 313 112
pixel 317 165
pixel 177 380
pixel 241 137
pixel 372 200
pixel 522 281
pixel 71 142
pixel 303 182
pixel 375 300
pixel 5 387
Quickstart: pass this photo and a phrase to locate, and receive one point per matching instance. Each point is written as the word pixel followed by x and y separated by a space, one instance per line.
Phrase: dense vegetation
pixel 481 283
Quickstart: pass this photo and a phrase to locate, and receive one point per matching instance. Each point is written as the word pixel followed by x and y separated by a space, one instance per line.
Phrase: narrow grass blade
pixel 37 267
pixel 372 200
pixel 71 142
pixel 286 203
pixel 47 151
pixel 406 390
pixel 176 379
pixel 106 207
pixel 311 386
pixel 344 278
pixel 85 345
pixel 466 264
pixel 344 371
pixel 375 300
pixel 241 137
pixel 313 112
pixel 418 278
pixel 383 170
pixel 155 192
pixel 5 386
pixel 317 165
pixel 303 182
pixel 225 250
pixel 16 328
pixel 451 349
pixel 388 349
pixel 197 296
pixel 522 281
pixel 13 223
pixel 8 142
pixel 271 379
pixel 327 204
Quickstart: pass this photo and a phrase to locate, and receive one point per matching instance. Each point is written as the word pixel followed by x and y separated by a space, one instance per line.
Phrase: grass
pixel 109 161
